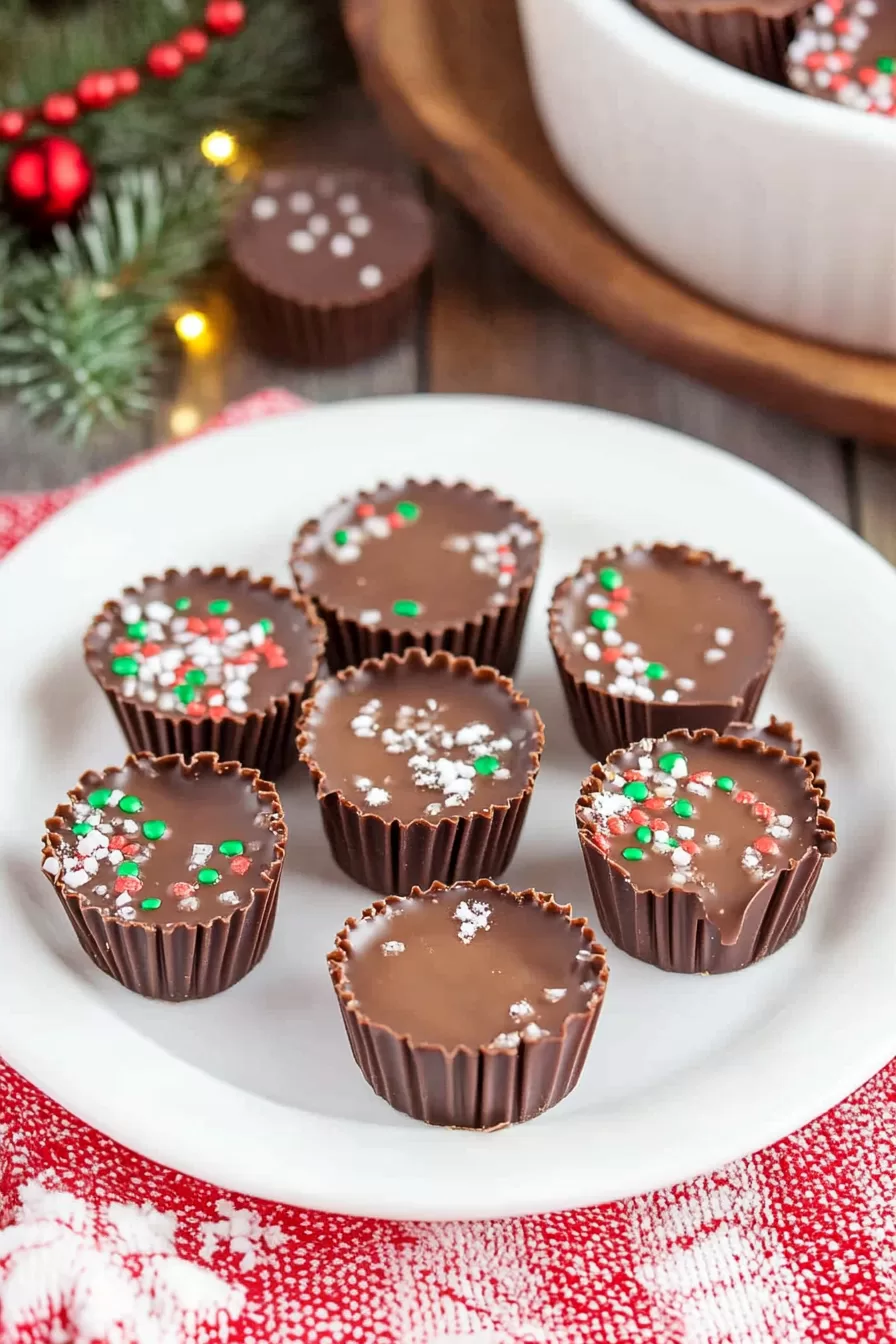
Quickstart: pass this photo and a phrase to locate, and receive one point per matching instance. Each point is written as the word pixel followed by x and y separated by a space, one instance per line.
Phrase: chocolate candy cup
pixel 750 34
pixel 671 928
pixel 187 958
pixel 605 722
pixel 261 737
pixel 472 1088
pixel 392 855
pixel 490 632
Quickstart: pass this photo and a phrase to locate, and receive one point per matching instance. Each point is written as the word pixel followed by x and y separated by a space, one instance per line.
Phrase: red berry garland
pixel 225 17
pixel 164 60
pixel 47 180
pixel 96 91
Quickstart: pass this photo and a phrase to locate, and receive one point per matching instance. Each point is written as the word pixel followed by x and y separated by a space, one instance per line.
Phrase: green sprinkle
pixel 636 789
pixel 408 509
pixel 137 630
pixel 610 579
pixel 128 868
pixel 633 854
pixel 230 847
pixel 602 619
pixel 219 607
pixel 99 797
pixel 81 828
pixel 185 694
pixel 151 903
pixel 195 677
pixel 266 624
pixel 886 65
pixel 486 765
pixel 340 536
pixel 644 834
pixel 407 606
pixel 725 783
pixel 682 807
pixel 672 842
pixel 131 803
pixel 668 762
pixel 208 876
pixel 125 667
pixel 655 671
pixel 154 830
pixel 182 604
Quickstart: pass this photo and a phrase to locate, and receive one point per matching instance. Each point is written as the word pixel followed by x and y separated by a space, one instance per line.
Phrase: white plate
pixel 256 1089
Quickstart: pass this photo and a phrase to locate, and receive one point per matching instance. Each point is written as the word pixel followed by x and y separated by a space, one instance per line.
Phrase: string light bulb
pixel 191 326
pixel 219 147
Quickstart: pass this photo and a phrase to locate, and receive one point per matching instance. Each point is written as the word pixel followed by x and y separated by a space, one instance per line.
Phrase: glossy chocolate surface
pixel 663 623
pixel 421 739
pixel 203 644
pixel 703 816
pixel 469 967
pixel 166 844
pixel 417 556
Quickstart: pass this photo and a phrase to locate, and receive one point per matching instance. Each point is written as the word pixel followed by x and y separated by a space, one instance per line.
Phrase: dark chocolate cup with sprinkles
pixel 602 721
pixel 262 738
pixel 183 958
pixel 394 856
pixel 671 928
pixel 752 35
pixel 484 1088
pixel 490 634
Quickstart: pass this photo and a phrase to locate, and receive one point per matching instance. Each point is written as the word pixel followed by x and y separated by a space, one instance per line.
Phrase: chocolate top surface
pixel 421 738
pixel 200 644
pixel 417 556
pixel 470 967
pixel 330 235
pixel 166 844
pixel 702 815
pixel 774 734
pixel 846 54
pixel 663 623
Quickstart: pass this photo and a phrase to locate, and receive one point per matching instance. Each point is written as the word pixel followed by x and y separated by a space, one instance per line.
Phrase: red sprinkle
pixel 130 850
pixel 365 510
pixel 217 712
pixel 180 889
pixel 745 796
pixel 216 629
pixel 762 812
pixel 702 777
pixel 765 844
pixel 196 709
pixel 117 842
pixel 396 520
pixel 632 774
pixel 240 864
pixel 638 817
pixel 601 842
pixel 689 846
pixel 150 650
pixel 615 826
pixel 129 884
pixel 247 656
pixel 610 655
pixel 617 608
pixel 196 625
pixel 124 647
pixel 658 823
pixel 655 804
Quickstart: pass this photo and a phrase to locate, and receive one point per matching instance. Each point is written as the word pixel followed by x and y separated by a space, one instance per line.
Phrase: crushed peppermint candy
pixel 843 51
pixel 392 948
pixel 473 916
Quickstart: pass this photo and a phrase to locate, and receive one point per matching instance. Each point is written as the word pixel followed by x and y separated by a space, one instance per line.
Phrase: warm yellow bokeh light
pixel 184 420
pixel 219 147
pixel 190 326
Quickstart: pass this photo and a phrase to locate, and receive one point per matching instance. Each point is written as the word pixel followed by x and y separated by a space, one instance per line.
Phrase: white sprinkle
pixel 392 948
pixel 624 667
pixel 347 554
pixel 378 527
pixel 533 1032
pixel 76 877
pixel 506 1040
pixel 319 225
pixel 362 782
pixel 699 789
pixel 724 636
pixel 359 226
pixel 126 912
pixel 712 841
pixel 784 820
pixel 554 995
pixel 341 245
pixel 348 203
pixel 583 954
pixel 684 832
pixel 300 202
pixel 166 700
pixel 238 706
pixel 124 898
pixel 188 903
pixel 229 898
pixel 370 277
pixel 592 651
pixel 779 832
pixel 521 1009
pixel 591 676
pixel 629 648
pixel 52 866
pixel 579 638
pixel 100 891
pixel 612 638
pixel 750 858
pixel 91 841
pixel 681 858
pixel 685 683
pixel 596 600
pixel 199 855
pixel 713 655
pixel 370 616
pixel 159 611
pixel 377 797
pixel 473 917
pixel 645 764
pixel 363 721
pixel 264 207
pixel 670 697
pixel 131 613
pixel 433 809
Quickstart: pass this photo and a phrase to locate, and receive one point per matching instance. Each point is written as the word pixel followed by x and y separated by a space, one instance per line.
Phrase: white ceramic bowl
pixel 774 203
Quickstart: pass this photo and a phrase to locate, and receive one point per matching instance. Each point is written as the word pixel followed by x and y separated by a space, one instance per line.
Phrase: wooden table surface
pixel 482 325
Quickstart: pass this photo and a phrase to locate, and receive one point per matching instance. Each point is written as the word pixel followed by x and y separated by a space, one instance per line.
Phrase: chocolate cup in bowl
pixel 422 564
pixel 623 635
pixel 702 852
pixel 752 35
pixel 441 1037
pixel 424 767
pixel 169 871
pixel 243 653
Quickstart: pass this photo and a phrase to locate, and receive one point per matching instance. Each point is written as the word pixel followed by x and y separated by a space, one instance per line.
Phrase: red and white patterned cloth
pixel 99 1246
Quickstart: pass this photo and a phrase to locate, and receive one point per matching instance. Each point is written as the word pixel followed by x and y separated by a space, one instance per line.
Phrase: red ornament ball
pixel 193 42
pixel 225 17
pixel 96 91
pixel 164 60
pixel 59 109
pixel 47 181
pixel 12 124
pixel 127 82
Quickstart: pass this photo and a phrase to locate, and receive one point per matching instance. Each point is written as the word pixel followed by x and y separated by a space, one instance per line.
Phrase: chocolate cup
pixel 180 961
pixel 752 37
pixel 491 637
pixel 604 722
pixel 671 929
pixel 488 1088
pixel 393 857
pixel 260 739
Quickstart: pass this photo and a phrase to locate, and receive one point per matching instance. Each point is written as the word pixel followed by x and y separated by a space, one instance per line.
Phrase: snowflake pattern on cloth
pixel 796 1245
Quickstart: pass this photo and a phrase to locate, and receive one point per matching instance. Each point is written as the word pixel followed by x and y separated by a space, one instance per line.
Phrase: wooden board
pixel 450 78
